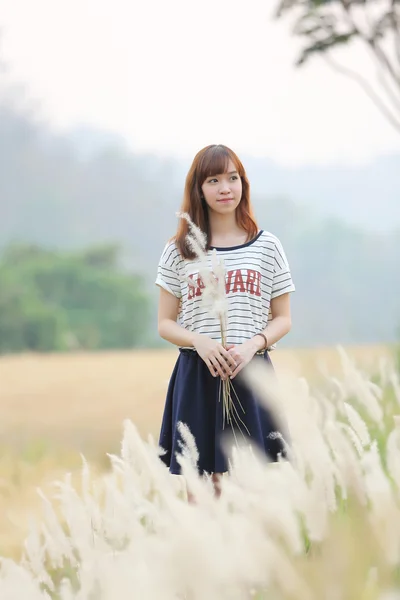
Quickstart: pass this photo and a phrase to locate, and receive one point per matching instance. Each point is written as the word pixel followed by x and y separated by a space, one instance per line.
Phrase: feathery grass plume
pixel 201 489
pixel 347 463
pixel 274 533
pixel 213 297
pixel 384 506
pixel 394 379
pixel 34 556
pixel 353 437
pixel 278 514
pixel 265 385
pixel 16 583
pixel 365 391
pixel 188 444
pixel 357 424
pixel 57 543
pixel 308 450
pixel 393 451
pixel 385 369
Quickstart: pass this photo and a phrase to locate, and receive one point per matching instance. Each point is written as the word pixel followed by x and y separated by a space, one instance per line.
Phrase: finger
pixel 211 368
pixel 225 364
pixel 237 370
pixel 229 358
pixel 217 367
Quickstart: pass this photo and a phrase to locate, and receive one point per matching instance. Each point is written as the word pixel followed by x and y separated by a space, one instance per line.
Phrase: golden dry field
pixel 54 407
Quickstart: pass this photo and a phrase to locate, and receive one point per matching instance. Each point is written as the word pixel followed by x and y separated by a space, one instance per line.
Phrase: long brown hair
pixel 212 160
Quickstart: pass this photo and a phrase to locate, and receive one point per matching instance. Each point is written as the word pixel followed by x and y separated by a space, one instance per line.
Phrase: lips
pixel 225 200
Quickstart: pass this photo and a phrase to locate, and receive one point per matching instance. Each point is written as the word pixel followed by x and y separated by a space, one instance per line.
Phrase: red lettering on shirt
pixel 238 285
pixel 237 280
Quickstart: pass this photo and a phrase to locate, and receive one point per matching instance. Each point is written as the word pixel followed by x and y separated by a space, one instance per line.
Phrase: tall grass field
pixel 88 511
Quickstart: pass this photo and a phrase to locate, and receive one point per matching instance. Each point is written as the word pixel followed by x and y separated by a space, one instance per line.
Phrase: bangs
pixel 215 161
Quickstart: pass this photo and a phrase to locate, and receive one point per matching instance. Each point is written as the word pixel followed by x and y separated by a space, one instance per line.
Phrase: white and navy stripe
pixel 256 272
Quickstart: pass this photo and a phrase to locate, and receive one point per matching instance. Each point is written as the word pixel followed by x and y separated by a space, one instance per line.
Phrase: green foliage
pixel 51 301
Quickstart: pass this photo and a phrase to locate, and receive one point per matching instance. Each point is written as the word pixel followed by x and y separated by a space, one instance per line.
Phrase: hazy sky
pixel 175 75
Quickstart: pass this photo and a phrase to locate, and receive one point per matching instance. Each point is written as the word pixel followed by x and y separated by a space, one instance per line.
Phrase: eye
pixel 212 180
pixel 234 177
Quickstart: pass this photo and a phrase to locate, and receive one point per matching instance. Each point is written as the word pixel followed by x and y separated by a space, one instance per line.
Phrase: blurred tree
pixel 51 301
pixel 103 255
pixel 326 25
pixel 26 323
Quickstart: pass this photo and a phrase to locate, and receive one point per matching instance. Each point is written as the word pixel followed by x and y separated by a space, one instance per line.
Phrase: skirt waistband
pixel 193 352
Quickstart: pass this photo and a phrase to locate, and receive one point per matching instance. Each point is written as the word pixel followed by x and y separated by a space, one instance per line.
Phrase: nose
pixel 224 189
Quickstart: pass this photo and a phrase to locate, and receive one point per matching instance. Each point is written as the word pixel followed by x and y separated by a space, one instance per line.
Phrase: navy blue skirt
pixel 194 398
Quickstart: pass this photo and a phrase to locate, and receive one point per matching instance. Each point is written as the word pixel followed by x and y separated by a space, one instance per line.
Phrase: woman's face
pixel 223 192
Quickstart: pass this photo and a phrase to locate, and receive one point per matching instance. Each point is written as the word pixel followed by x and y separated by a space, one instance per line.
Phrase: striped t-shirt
pixel 256 272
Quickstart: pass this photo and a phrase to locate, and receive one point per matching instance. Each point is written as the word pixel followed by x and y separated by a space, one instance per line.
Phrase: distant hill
pixel 367 196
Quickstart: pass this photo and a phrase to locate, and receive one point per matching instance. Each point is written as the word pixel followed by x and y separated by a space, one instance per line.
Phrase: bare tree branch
pixel 389 91
pixel 371 41
pixel 393 119
pixel 381 55
pixel 395 18
pixel 329 24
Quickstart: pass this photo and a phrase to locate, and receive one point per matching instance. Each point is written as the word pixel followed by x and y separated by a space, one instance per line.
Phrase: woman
pixel 258 285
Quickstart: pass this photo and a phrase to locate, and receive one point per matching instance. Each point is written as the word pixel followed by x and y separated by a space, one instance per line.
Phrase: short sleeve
pixel 282 283
pixel 168 270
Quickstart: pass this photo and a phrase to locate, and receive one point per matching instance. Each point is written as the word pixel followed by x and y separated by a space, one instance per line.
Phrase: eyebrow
pixel 231 173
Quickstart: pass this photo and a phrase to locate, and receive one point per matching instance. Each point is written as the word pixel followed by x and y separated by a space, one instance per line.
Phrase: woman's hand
pixel 218 360
pixel 242 354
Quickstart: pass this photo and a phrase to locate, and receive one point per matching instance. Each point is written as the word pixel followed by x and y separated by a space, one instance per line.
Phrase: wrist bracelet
pixel 265 339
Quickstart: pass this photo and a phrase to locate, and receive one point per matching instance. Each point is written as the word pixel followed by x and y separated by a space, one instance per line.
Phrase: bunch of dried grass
pixel 213 297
